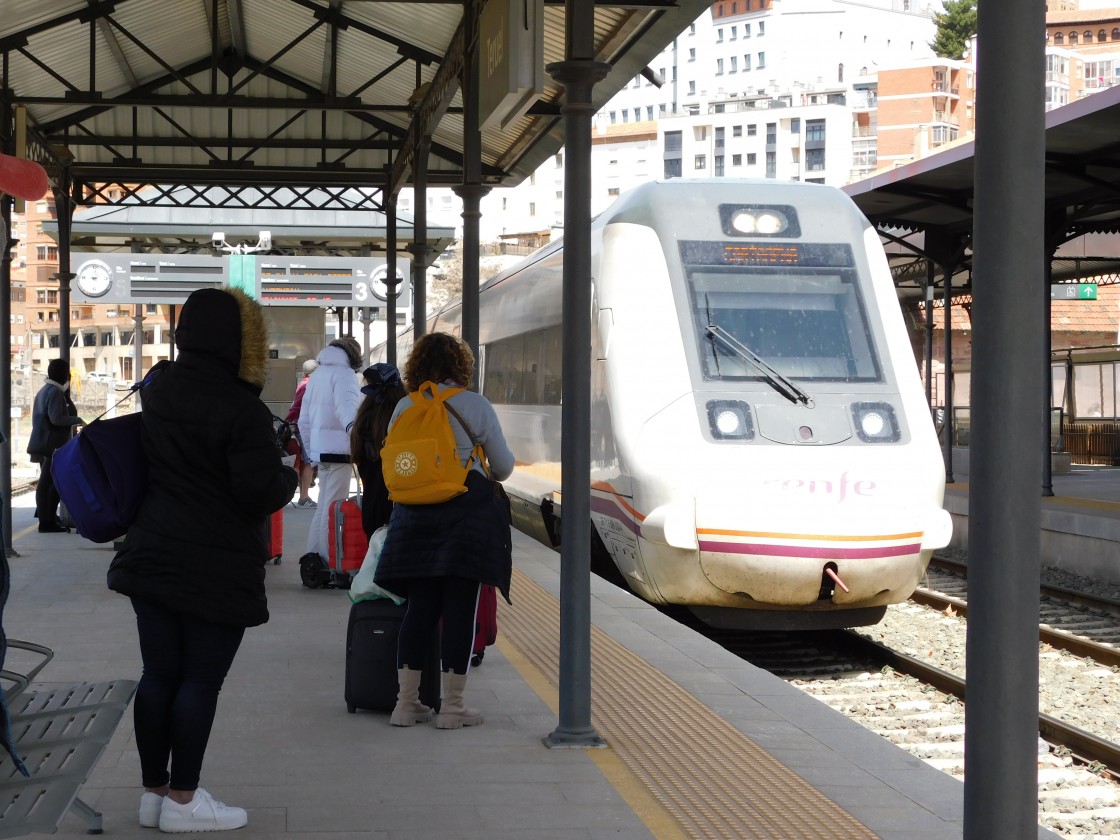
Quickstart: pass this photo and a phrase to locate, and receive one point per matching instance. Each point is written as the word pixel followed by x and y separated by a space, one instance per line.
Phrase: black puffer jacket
pixel 198 544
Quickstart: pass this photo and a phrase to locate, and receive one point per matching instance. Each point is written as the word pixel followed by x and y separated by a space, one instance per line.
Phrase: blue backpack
pixel 102 475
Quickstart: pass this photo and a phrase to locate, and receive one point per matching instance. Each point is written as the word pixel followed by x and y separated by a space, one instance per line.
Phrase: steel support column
pixel 472 190
pixel 419 247
pixel 1004 508
pixel 1055 230
pixel 929 333
pixel 6 203
pixel 391 283
pixel 64 209
pixel 578 73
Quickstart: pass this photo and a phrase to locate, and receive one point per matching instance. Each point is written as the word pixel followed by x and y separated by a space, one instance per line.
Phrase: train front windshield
pixel 797 307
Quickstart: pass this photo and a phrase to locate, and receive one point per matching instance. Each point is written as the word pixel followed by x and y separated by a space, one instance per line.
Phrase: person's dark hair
pixel 437 357
pixel 58 371
pixel 372 423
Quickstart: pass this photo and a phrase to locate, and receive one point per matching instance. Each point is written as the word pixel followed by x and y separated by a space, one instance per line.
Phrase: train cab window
pixel 806 324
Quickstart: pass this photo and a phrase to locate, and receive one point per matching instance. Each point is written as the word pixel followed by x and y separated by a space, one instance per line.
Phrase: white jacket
pixel 330 405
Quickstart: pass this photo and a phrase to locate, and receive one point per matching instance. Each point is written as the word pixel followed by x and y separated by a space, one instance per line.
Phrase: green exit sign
pixel 1073 291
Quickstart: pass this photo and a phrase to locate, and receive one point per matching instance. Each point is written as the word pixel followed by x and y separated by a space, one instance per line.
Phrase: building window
pixel 734 32
pixel 701 162
pixel 795 126
pixel 771 164
pixel 752 131
pixel 761 60
pixel 1102 36
pixel 151 308
pixel 719 137
pixel 734 64
pixel 719 66
pixel 1072 38
pixel 692 53
pixel 532 208
pixel 692 88
pixel 1088 37
pixel 1059 38
pixel 1116 34
pixel 559 195
pixel 48 253
pixel 612 190
pixel 746 63
pixel 814 131
pixel 746 30
pixel 736 131
pixel 814 160
pixel 719 35
pixel 736 160
pixel 672 141
pixel 718 165
pixel 559 160
pixel 761 28
pixel 673 168
pixel 752 159
pixel 771 133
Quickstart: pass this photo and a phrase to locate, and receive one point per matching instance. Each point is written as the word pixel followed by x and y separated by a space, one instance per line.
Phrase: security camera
pixel 218 239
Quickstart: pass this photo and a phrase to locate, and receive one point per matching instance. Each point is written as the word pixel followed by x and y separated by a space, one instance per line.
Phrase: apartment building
pixel 922 106
pixel 102 337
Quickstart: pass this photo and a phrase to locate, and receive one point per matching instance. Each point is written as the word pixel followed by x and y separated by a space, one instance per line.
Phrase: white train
pixel 761 447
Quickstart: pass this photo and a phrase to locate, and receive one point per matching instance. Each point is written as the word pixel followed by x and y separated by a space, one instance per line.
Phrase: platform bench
pixel 60 733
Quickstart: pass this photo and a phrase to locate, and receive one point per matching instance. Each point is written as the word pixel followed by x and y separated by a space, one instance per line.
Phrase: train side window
pixel 552 366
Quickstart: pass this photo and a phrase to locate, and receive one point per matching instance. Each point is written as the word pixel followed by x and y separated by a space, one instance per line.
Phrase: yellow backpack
pixel 419 461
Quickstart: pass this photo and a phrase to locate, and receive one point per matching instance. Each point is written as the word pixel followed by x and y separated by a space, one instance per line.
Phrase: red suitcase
pixel 348 542
pixel 485 622
pixel 275 531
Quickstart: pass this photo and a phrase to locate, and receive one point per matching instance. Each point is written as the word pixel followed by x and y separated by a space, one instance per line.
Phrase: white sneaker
pixel 203 813
pixel 150 805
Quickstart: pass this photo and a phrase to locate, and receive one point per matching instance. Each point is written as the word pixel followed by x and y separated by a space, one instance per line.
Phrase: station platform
pixel 699 743
pixel 1080 522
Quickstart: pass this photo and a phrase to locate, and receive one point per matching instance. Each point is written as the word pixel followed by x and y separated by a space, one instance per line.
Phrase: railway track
pixel 889 679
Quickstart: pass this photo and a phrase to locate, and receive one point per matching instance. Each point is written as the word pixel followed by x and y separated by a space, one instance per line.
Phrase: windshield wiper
pixel 777 381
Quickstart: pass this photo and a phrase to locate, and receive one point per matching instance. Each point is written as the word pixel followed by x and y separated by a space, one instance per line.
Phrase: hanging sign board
pixel 511 60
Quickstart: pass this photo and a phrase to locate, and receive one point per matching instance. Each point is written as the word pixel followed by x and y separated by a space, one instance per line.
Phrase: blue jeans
pixel 185 663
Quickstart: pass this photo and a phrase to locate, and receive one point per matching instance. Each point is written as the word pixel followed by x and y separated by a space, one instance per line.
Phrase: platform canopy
pixel 265 93
pixel 923 210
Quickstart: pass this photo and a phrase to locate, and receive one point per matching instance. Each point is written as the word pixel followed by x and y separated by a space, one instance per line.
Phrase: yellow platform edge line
pixel 632 790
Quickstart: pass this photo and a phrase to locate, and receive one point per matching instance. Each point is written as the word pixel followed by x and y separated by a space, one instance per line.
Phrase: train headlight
pixel 875 422
pixel 759 220
pixel 730 420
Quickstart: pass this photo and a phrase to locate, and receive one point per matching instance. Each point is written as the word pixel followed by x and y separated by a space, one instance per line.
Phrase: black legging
pixel 185 663
pixel 454 599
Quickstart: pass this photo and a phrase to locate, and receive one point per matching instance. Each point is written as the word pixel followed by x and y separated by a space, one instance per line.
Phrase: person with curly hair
pixel 437 556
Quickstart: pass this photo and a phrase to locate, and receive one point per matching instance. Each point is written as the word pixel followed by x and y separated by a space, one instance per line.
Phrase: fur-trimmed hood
pixel 230 326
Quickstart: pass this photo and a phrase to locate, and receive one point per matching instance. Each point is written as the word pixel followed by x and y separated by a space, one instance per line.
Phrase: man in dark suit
pixel 52 419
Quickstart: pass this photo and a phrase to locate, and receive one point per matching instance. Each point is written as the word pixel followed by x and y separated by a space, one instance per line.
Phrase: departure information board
pixel 274 281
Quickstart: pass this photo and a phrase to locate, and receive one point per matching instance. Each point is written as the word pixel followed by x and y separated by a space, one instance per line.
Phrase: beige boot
pixel 452 712
pixel 409 711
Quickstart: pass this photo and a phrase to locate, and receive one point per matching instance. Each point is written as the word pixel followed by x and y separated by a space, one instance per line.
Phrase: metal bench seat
pixel 60 733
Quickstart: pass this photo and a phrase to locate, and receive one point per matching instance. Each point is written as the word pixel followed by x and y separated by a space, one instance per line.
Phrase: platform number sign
pixel 1073 291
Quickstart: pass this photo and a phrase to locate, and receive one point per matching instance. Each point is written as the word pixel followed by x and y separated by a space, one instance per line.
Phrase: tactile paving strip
pixel 713 780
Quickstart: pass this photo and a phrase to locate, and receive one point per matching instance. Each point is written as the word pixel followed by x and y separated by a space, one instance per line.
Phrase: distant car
pixel 98 376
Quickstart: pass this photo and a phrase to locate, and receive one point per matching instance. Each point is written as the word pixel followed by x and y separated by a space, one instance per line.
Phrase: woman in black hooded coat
pixel 193 561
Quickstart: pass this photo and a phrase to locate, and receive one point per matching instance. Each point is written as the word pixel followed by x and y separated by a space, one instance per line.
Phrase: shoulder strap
pixel 478 452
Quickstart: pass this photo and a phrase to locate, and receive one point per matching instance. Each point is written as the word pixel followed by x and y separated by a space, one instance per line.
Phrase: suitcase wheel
pixel 339 580
pixel 476 659
pixel 276 560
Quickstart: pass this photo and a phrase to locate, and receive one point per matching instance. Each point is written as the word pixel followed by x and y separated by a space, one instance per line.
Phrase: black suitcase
pixel 371 658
